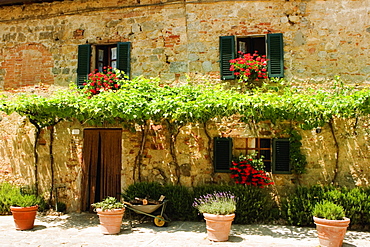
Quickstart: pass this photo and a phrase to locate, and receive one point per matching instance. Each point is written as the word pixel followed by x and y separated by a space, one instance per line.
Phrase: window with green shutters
pixel 230 45
pixel 222 154
pixel 115 56
pixel 83 65
pixel 280 156
pixel 275 55
pixel 123 57
pixel 227 52
pixel 275 152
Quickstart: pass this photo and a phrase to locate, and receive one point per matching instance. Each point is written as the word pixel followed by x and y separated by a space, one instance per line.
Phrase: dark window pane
pixel 265 143
pixel 266 154
pixel 267 166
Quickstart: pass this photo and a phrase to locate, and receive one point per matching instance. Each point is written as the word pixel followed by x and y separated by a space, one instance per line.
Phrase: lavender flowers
pixel 221 203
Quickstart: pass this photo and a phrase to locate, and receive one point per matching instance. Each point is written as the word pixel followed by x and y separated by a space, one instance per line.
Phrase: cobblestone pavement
pixel 83 230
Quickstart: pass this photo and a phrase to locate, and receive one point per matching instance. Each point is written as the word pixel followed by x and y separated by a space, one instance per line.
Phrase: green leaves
pixel 141 99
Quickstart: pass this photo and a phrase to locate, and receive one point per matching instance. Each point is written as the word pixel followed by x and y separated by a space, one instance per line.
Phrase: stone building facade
pixel 338 155
pixel 43 42
pixel 170 39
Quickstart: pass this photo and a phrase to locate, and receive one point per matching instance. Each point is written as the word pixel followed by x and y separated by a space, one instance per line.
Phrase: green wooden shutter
pixel 83 64
pixel 222 154
pixel 227 52
pixel 275 55
pixel 281 157
pixel 123 57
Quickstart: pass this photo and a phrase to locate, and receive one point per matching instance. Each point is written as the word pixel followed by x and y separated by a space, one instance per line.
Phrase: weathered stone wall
pixel 173 38
pixel 343 160
pixel 170 39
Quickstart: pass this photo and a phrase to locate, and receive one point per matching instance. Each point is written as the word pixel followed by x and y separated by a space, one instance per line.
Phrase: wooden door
pixel 101 166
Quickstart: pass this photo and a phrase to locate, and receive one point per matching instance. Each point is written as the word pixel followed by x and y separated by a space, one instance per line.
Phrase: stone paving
pixel 83 230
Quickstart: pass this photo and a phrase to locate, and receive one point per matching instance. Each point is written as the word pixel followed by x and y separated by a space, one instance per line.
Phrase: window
pixel 106 56
pixel 113 55
pixel 270 45
pixel 251 44
pixel 275 153
pixel 260 145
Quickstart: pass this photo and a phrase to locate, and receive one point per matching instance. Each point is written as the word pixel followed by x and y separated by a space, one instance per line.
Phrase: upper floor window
pixel 92 57
pixel 106 56
pixel 270 45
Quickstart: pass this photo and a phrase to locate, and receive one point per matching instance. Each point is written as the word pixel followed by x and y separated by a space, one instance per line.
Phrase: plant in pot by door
pixel 218 211
pixel 24 209
pixel 110 212
pixel 331 223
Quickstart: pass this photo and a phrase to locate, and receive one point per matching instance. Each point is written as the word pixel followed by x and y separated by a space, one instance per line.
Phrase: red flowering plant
pixel 249 68
pixel 250 170
pixel 109 79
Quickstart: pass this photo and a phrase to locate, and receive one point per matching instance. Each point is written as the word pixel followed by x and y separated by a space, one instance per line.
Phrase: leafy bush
pixel 151 190
pixel 179 206
pixel 11 195
pixel 179 198
pixel 7 194
pixel 328 210
pixel 356 204
pixel 297 208
pixel 253 205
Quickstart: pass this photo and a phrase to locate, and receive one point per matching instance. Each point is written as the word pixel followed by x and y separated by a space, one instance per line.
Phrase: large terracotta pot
pixel 110 220
pixel 331 232
pixel 218 226
pixel 24 217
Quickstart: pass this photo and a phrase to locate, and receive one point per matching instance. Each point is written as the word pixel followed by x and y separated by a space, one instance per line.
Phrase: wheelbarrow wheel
pixel 159 221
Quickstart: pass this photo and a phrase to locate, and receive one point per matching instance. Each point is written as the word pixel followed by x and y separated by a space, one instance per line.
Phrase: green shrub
pixel 328 210
pixel 253 204
pixel 179 197
pixel 356 203
pixel 152 190
pixel 11 195
pixel 61 207
pixel 8 193
pixel 297 208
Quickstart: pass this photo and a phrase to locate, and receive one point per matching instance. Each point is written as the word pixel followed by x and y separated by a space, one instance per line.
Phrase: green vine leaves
pixel 142 99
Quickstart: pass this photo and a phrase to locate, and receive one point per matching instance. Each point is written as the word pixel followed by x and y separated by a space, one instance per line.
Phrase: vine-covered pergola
pixel 140 101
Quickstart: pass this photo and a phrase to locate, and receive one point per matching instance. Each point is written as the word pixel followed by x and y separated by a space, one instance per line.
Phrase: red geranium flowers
pixel 249 68
pixel 250 171
pixel 98 82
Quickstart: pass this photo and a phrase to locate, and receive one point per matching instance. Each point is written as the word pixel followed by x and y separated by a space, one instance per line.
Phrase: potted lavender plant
pixel 218 211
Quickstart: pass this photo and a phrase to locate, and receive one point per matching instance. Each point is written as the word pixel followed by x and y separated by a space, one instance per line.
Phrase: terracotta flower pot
pixel 110 220
pixel 331 232
pixel 24 217
pixel 218 226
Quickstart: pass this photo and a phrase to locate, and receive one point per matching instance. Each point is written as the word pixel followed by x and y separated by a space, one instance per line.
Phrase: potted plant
pixel 331 223
pixel 24 209
pixel 218 211
pixel 110 212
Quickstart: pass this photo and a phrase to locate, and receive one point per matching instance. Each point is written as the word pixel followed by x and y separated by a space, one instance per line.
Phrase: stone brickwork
pixel 343 162
pixel 173 38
